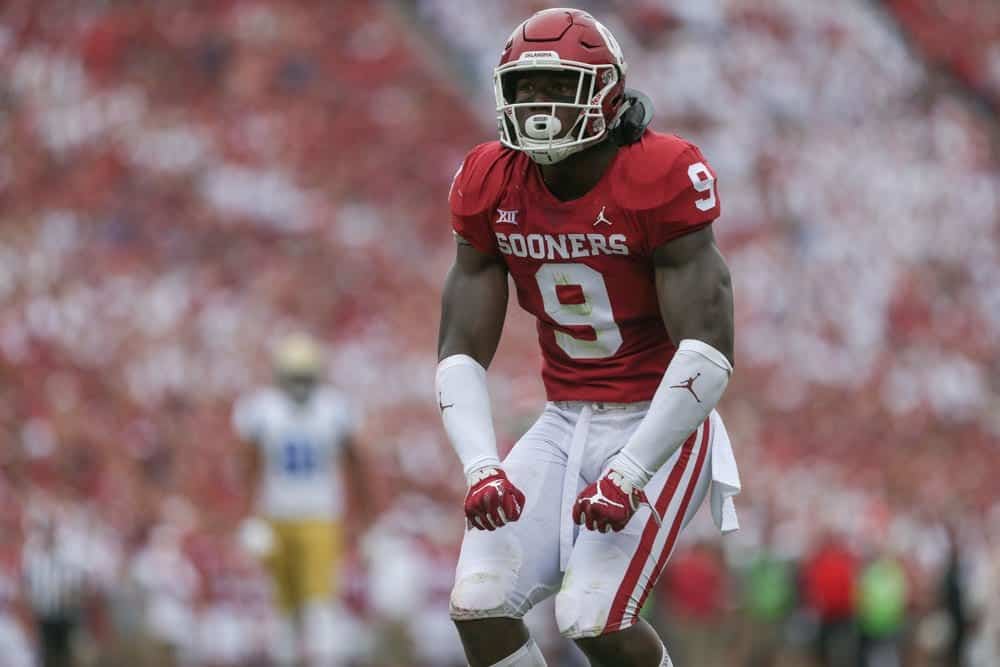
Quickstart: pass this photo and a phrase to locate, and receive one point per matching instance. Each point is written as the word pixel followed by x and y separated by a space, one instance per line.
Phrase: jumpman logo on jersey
pixel 689 385
pixel 601 218
pixel 442 406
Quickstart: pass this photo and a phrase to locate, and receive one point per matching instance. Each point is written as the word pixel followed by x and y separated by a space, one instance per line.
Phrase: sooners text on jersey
pixel 584 267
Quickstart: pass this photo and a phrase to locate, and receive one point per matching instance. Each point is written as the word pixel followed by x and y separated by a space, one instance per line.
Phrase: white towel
pixel 725 479
pixel 578 444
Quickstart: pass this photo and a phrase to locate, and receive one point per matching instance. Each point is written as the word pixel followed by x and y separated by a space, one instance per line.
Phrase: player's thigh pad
pixel 610 574
pixel 502 573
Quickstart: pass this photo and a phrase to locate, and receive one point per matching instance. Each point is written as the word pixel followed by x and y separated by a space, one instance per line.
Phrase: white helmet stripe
pixel 612 44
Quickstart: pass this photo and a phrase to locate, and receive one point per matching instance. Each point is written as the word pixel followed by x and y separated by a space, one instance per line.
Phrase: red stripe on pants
pixel 635 566
pixel 675 529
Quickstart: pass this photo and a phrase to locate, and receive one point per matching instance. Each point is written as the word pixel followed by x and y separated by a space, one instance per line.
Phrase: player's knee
pixel 582 611
pixel 482 594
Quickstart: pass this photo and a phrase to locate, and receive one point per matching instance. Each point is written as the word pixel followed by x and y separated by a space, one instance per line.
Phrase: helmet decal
pixel 536 55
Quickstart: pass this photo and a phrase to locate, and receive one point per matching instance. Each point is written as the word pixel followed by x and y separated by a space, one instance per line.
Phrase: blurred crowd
pixel 182 183
pixel 964 37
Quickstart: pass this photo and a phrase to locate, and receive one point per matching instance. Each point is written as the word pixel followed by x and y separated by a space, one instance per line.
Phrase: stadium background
pixel 183 182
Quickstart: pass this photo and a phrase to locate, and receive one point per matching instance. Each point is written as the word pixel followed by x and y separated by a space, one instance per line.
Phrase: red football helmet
pixel 564 40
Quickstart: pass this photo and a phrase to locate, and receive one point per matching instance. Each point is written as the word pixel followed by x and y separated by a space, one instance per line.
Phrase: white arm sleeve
pixel 691 387
pixel 464 403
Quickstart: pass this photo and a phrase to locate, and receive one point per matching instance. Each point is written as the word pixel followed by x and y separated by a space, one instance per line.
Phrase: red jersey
pixel 584 268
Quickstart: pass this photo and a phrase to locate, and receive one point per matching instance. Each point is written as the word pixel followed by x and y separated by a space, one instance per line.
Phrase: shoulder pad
pixel 653 171
pixel 251 411
pixel 481 178
pixel 255 398
pixel 266 401
pixel 339 406
pixel 331 396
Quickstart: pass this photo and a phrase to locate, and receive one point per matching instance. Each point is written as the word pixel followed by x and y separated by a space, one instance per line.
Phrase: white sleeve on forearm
pixel 464 403
pixel 691 387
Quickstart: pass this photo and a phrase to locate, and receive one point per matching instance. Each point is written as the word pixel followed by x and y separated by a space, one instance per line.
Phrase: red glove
pixel 492 500
pixel 609 503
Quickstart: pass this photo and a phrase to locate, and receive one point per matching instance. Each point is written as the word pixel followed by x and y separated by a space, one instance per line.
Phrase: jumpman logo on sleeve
pixel 689 385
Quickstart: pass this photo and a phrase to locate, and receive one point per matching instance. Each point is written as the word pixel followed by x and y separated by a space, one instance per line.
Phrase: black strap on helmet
pixel 634 120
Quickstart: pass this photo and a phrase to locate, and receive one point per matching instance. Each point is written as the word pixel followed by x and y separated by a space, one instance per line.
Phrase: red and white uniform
pixel 584 267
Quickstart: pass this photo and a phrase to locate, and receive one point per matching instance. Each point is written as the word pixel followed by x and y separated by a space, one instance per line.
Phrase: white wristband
pixel 464 403
pixel 691 388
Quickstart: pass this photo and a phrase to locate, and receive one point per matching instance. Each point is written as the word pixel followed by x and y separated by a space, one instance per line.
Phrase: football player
pixel 605 228
pixel 301 431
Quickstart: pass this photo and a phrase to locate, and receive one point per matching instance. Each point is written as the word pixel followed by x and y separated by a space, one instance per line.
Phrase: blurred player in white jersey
pixel 303 453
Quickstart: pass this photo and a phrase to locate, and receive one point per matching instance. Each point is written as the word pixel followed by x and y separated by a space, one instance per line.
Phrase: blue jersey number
pixel 299 458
